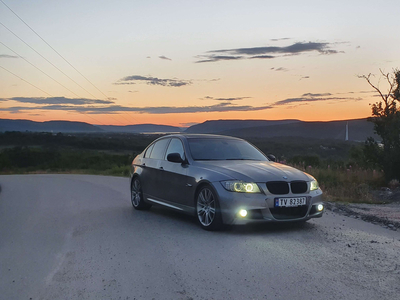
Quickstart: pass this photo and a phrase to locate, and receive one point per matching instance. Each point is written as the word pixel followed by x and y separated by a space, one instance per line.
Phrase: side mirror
pixel 271 157
pixel 175 158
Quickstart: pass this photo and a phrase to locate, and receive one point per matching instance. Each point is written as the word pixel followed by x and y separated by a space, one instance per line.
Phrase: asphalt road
pixel 77 237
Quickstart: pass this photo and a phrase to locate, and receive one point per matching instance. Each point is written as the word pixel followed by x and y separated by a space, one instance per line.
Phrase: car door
pixel 174 181
pixel 145 170
pixel 151 178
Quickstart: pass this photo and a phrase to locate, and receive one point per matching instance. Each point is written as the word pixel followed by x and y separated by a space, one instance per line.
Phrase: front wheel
pixel 207 209
pixel 137 195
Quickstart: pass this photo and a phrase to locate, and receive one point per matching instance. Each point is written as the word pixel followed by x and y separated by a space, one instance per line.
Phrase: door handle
pixel 161 168
pixel 143 164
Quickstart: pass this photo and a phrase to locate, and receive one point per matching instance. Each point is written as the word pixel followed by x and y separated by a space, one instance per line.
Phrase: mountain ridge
pixel 358 129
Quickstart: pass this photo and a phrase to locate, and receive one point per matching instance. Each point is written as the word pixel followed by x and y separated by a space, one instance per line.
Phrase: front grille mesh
pixel 282 187
pixel 298 187
pixel 278 187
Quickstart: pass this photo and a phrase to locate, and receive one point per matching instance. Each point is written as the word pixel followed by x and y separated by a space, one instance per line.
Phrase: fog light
pixel 320 207
pixel 243 213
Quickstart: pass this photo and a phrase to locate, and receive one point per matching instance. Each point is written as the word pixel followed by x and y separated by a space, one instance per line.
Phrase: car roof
pixel 203 136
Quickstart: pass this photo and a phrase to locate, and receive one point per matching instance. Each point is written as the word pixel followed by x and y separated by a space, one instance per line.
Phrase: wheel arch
pixel 135 175
pixel 199 186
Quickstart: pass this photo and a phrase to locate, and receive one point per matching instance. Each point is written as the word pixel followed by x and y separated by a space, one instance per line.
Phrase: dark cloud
pixel 208 80
pixel 316 95
pixel 304 77
pixel 280 39
pixel 311 97
pixel 294 48
pixel 8 56
pixel 214 58
pixel 164 57
pixel 367 92
pixel 220 107
pixel 225 99
pixel 302 99
pixel 262 57
pixel 268 52
pixel 153 81
pixel 58 100
pixel 281 69
pixel 124 83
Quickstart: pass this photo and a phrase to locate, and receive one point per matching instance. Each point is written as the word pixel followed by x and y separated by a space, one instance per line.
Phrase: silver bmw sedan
pixel 221 180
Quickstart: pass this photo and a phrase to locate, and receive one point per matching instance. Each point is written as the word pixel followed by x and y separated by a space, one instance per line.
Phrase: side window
pixel 148 151
pixel 159 149
pixel 175 147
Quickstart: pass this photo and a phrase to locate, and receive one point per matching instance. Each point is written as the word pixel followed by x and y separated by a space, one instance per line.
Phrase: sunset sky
pixel 183 62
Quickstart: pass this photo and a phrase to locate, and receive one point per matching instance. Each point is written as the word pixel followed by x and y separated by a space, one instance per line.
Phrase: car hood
pixel 256 171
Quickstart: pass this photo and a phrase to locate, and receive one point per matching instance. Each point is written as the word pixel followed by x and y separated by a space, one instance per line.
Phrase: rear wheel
pixel 137 195
pixel 207 209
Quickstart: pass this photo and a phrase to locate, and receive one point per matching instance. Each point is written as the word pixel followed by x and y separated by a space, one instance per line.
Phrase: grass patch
pixel 353 185
pixel 28 160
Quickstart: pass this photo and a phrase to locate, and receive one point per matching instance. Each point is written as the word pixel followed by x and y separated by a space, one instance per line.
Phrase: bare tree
pixel 386 119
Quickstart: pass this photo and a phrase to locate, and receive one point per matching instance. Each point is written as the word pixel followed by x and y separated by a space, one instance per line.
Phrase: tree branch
pixel 367 78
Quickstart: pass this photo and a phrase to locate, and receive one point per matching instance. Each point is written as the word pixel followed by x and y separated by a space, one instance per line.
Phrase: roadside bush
pixel 348 184
pixel 305 161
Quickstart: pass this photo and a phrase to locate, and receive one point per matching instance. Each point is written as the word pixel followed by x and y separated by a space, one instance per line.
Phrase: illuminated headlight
pixel 314 185
pixel 320 207
pixel 240 186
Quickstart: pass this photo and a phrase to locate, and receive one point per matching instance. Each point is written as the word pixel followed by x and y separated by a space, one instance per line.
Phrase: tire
pixel 208 212
pixel 137 195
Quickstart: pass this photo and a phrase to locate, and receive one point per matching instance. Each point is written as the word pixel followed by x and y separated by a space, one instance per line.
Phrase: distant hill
pixel 49 126
pixel 67 126
pixel 140 128
pixel 218 126
pixel 359 129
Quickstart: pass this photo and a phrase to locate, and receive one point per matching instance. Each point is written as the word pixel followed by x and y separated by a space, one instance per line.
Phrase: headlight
pixel 314 185
pixel 240 186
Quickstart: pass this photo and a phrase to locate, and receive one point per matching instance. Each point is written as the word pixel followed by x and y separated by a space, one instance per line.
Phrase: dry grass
pixel 353 185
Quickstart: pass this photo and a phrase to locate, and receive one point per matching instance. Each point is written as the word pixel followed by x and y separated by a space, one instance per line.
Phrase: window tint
pixel 223 149
pixel 175 147
pixel 159 149
pixel 148 151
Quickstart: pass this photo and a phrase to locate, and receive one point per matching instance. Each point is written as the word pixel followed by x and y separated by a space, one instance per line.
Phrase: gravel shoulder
pixel 386 214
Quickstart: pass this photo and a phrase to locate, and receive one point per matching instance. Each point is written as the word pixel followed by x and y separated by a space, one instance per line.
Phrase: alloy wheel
pixel 206 207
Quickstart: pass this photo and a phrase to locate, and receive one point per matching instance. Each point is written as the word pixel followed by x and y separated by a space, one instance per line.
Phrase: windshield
pixel 223 149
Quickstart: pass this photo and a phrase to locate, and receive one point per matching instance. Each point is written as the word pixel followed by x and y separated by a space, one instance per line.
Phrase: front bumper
pixel 260 207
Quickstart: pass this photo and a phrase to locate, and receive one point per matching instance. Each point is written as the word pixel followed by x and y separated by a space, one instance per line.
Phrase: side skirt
pixel 182 208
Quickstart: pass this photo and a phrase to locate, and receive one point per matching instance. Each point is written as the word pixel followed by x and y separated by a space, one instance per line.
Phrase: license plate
pixel 290 202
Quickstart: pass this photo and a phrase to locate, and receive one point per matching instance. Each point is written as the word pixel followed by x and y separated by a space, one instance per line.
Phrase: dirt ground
pixel 386 214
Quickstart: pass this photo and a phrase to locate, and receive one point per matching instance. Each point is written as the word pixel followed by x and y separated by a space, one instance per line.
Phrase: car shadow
pixel 180 219
pixel 265 228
